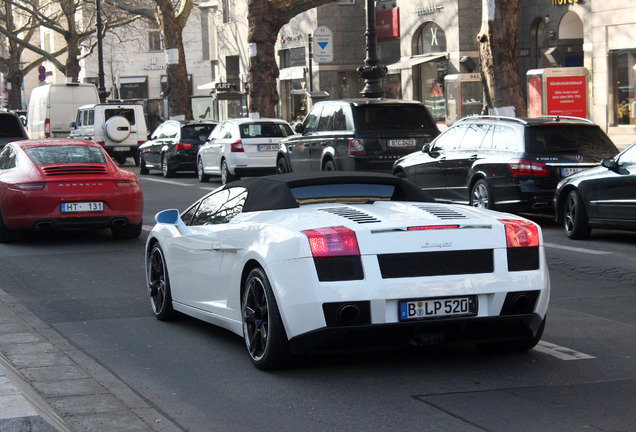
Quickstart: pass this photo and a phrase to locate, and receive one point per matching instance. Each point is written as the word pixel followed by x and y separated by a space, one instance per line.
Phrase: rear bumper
pixel 436 332
pixel 254 171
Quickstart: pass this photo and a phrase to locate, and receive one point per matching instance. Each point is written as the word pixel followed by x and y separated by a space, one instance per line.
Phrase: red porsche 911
pixel 66 183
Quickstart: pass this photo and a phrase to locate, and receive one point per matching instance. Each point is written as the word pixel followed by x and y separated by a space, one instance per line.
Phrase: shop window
pixel 622 68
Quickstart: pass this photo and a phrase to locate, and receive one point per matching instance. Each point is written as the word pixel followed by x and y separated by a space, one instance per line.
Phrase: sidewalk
pixel 48 385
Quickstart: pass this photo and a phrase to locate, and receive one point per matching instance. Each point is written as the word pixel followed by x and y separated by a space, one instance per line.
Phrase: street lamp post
pixel 372 71
pixel 101 89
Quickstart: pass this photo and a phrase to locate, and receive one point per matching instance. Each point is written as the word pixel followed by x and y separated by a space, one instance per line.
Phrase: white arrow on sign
pixel 323 45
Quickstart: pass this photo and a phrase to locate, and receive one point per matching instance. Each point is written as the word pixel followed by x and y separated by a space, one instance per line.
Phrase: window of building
pixel 155 42
pixel 228 7
pixel 292 57
pixel 622 71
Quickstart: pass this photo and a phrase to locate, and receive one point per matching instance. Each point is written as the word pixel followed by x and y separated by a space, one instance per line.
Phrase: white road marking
pixel 560 352
pixel 172 182
pixel 577 249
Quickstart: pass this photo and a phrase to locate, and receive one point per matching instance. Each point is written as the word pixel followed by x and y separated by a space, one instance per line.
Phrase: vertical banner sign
pixel 566 96
pixel 535 100
pixel 323 45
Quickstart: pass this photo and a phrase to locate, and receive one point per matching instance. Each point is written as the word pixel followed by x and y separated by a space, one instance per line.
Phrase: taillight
pixel 27 186
pixel 332 241
pixel 520 233
pixel 527 168
pixel 101 143
pixel 140 142
pixel 181 146
pixel 125 183
pixel 356 147
pixel 47 127
pixel 236 147
pixel 431 227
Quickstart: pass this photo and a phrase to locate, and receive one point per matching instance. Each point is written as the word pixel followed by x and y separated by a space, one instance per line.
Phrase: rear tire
pixel 226 175
pixel 165 168
pixel 282 167
pixel 481 195
pixel 202 176
pixel 575 217
pixel 142 165
pixel 6 235
pixel 329 166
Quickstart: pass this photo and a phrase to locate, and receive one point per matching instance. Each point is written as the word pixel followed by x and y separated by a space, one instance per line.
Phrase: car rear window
pixel 568 139
pixel 10 126
pixel 65 154
pixel 127 113
pixel 392 117
pixel 197 132
pixel 265 130
pixel 343 193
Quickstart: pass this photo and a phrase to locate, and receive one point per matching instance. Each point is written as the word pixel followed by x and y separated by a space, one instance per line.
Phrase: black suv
pixel 11 128
pixel 356 135
pixel 503 163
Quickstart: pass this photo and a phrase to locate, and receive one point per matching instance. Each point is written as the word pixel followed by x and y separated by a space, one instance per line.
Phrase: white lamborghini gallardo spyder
pixel 298 263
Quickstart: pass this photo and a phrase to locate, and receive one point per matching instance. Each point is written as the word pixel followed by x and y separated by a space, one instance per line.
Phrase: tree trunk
pixel 263 28
pixel 178 86
pixel 14 75
pixel 498 55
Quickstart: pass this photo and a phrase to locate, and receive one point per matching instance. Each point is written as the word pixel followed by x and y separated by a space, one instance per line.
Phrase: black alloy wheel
pixel 201 175
pixel 159 284
pixel 282 167
pixel 575 217
pixel 329 166
pixel 263 330
pixel 481 196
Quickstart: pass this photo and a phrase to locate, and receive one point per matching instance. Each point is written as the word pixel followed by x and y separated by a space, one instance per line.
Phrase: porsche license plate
pixel 401 143
pixel 437 308
pixel 267 147
pixel 83 207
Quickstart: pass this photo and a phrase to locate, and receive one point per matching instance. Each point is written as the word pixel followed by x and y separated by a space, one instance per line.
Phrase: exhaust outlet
pixel 44 225
pixel 348 313
pixel 119 223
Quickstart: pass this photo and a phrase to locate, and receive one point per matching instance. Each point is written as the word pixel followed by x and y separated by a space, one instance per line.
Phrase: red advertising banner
pixel 387 23
pixel 534 97
pixel 566 96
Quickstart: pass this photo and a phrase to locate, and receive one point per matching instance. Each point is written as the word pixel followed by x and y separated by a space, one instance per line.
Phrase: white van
pixel 52 107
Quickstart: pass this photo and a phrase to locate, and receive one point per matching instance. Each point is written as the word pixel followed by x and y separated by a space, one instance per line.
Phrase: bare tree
pixel 171 18
pixel 498 55
pixel 265 19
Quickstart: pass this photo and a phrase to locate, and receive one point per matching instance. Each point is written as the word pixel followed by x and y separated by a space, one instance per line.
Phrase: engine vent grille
pixel 440 263
pixel 75 170
pixel 352 214
pixel 442 212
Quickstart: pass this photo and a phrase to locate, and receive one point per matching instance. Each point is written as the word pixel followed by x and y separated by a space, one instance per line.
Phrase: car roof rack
pixel 493 117
pixel 562 117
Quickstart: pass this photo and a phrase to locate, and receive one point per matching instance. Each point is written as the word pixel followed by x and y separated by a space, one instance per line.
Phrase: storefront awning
pixel 290 73
pixel 409 62
pixel 133 80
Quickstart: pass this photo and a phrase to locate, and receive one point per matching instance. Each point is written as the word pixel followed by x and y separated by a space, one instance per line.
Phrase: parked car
pixel 601 197
pixel 356 135
pixel 52 107
pixel 119 128
pixel 298 263
pixel 242 147
pixel 62 183
pixel 503 163
pixel 11 128
pixel 173 146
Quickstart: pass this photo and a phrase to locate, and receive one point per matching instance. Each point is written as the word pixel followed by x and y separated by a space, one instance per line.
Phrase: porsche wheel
pixel 481 196
pixel 159 284
pixel 575 217
pixel 201 175
pixel 263 329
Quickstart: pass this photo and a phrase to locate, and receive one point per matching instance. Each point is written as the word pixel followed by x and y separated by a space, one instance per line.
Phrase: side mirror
pixel 426 148
pixel 299 128
pixel 168 217
pixel 609 163
pixel 73 125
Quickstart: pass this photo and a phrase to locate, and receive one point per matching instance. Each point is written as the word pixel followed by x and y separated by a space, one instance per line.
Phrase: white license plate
pixel 83 207
pixel 565 172
pixel 267 147
pixel 437 308
pixel 401 143
pixel 121 148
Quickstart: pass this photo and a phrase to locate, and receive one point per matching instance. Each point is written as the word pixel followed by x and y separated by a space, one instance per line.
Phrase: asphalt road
pixel 91 289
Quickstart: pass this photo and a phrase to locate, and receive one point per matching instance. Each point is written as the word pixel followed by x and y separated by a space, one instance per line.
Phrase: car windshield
pixel 265 130
pixel 561 139
pixel 65 154
pixel 343 193
pixel 392 117
pixel 199 132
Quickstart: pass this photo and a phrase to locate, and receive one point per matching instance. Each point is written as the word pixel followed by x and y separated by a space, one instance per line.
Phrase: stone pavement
pixel 48 385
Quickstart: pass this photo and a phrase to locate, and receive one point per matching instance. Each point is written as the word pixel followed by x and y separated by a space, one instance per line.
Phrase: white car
pixel 241 147
pixel 298 263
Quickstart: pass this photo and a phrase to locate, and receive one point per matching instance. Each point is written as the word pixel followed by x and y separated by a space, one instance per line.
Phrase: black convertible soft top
pixel 274 192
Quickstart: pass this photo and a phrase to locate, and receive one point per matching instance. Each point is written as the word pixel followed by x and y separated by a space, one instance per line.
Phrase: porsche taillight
pixel 28 186
pixel 527 168
pixel 125 183
pixel 47 128
pixel 237 147
pixel 520 233
pixel 332 241
pixel 181 146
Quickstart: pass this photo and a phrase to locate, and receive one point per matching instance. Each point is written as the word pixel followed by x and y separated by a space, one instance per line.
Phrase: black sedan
pixel 601 197
pixel 173 146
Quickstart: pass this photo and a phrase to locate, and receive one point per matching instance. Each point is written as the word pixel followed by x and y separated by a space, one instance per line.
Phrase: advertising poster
pixel 566 96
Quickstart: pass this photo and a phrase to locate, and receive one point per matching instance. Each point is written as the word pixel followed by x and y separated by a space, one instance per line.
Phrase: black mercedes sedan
pixel 601 197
